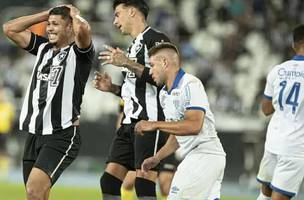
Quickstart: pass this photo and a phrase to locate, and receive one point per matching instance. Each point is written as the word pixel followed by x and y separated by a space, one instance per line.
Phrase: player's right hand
pixel 149 163
pixel 102 82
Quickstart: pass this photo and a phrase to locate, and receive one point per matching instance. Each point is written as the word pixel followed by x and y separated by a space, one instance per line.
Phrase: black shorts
pixel 169 164
pixel 51 153
pixel 130 149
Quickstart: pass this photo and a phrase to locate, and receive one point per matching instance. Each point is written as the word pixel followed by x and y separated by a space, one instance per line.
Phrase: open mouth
pixel 52 35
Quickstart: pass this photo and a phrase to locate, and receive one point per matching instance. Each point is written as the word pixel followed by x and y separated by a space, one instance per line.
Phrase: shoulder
pixel 153 37
pixel 191 79
pixel 190 83
pixel 277 70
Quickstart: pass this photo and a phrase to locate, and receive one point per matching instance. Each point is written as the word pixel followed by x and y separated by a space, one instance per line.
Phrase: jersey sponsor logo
pixel 53 77
pixel 290 74
pixel 157 43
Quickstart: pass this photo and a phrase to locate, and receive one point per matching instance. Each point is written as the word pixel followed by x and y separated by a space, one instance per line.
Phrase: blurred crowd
pixel 229 44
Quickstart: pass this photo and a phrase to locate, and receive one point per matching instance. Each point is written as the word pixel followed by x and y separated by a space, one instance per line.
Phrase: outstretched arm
pixel 81 27
pixel 16 29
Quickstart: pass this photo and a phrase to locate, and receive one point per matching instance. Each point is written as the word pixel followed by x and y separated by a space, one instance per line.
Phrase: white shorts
pixel 198 177
pixel 283 174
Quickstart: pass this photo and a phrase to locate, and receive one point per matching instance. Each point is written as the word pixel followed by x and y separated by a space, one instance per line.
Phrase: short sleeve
pixel 195 96
pixel 85 53
pixel 155 39
pixel 35 42
pixel 269 90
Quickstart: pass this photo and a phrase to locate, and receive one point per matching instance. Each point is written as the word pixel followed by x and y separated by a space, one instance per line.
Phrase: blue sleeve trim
pixel 289 194
pixel 267 97
pixel 263 182
pixel 196 108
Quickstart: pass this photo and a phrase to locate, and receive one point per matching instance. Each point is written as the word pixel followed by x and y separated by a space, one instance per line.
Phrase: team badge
pixel 61 55
pixel 138 47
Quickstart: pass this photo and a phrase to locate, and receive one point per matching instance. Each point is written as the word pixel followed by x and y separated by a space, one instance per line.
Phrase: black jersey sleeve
pixel 35 42
pixel 152 38
pixel 85 53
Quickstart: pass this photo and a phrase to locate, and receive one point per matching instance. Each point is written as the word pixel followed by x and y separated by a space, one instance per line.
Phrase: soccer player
pixel 51 108
pixel 282 166
pixel 140 101
pixel 190 123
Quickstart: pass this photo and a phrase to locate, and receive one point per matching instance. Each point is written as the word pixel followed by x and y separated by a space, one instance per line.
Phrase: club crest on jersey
pixel 174 190
pixel 138 47
pixel 61 55
pixel 175 92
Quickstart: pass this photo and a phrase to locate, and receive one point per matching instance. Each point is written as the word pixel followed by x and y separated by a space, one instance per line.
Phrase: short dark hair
pixel 64 11
pixel 298 33
pixel 141 5
pixel 163 45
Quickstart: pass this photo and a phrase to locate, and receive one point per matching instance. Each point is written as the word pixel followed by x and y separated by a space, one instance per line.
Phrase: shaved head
pixel 166 51
pixel 165 63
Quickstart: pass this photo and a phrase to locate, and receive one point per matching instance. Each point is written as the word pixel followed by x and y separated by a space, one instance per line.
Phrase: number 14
pixel 293 96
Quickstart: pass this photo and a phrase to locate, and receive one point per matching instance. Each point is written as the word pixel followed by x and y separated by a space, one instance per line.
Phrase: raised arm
pixel 81 27
pixel 17 29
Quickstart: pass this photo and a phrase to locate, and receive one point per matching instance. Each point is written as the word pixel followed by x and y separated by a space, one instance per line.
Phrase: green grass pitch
pixel 9 191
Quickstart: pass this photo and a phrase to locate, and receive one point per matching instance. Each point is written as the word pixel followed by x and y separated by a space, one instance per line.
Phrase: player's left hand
pixel 113 56
pixel 144 126
pixel 149 163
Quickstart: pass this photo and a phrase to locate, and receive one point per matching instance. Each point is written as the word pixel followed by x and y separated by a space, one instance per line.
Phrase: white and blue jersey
pixel 188 93
pixel 285 87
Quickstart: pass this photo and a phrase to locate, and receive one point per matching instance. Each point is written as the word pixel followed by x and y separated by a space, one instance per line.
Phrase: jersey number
pixel 55 76
pixel 293 96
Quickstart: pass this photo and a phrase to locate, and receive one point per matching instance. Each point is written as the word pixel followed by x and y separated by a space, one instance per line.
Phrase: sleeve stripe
pixel 196 108
pixel 33 43
pixel 267 97
pixel 85 50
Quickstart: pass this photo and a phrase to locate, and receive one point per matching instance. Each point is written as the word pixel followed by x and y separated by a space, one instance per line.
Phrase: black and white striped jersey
pixel 54 95
pixel 140 97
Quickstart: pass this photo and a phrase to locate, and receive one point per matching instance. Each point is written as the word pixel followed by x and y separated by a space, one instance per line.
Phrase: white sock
pixel 263 197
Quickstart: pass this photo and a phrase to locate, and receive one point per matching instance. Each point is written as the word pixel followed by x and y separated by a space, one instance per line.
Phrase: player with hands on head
pixel 190 124
pixel 51 109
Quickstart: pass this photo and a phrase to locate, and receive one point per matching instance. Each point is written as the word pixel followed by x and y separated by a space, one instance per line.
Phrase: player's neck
pixel 138 28
pixel 299 50
pixel 170 80
pixel 62 45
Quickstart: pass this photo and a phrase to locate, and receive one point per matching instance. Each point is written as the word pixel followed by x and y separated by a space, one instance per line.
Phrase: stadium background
pixel 229 44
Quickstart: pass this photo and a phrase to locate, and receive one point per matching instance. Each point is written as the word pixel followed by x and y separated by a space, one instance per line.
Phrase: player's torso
pixel 286 128
pixel 47 91
pixel 289 90
pixel 140 97
pixel 174 105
